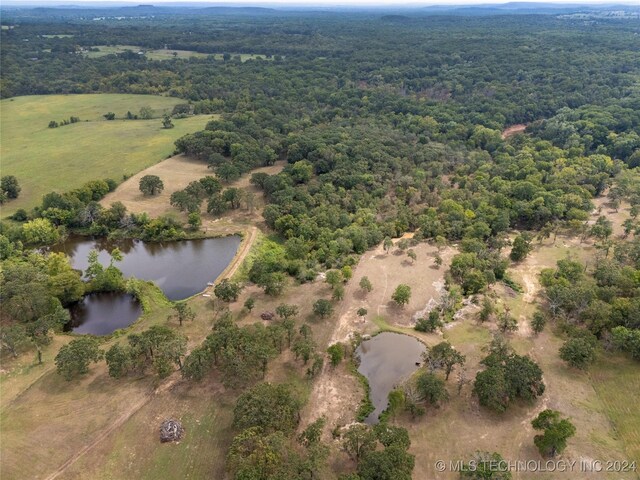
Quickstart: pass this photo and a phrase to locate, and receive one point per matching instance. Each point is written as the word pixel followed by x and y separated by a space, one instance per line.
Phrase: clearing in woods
pixel 60 159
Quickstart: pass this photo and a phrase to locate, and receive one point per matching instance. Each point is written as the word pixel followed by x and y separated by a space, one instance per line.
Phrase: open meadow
pixel 60 159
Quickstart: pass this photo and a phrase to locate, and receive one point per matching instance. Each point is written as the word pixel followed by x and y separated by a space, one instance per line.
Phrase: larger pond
pixel 181 269
pixel 386 360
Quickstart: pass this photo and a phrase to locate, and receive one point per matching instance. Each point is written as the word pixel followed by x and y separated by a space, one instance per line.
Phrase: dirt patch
pixel 512 130
pixel 176 173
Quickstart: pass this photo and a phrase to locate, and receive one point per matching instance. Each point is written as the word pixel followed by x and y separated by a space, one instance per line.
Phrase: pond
pixel 386 360
pixel 181 269
pixel 103 313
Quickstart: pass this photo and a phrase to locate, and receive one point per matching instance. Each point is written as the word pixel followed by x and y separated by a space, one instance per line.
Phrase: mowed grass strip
pixel 616 380
pixel 60 159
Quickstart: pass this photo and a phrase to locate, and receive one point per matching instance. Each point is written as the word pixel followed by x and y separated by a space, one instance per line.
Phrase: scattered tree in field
pixel 333 277
pixel 387 244
pixel 338 293
pixel 323 308
pixel 579 352
pixel 402 295
pixel 227 290
pixel 437 260
pixel 429 324
pixel 443 356
pixel 507 322
pixel 167 122
pixel 487 309
pixel 521 247
pixel 347 273
pixel 336 353
pixel 146 113
pixel 538 322
pixel 9 186
pixel 362 312
pixel 151 185
pixel 627 340
pixel 412 255
pixel 249 303
pixel 74 358
pixel 286 311
pixel 431 388
pixel 507 377
pixel 365 284
pixel 602 228
pixel 109 116
pixel 183 312
pixel 274 284
pixel 261 455
pixel 556 432
pixel 486 466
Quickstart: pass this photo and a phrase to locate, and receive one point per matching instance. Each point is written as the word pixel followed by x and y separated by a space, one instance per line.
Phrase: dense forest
pixel 388 124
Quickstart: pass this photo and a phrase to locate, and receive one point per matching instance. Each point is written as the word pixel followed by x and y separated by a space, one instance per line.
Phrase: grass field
pixel 47 159
pixel 164 54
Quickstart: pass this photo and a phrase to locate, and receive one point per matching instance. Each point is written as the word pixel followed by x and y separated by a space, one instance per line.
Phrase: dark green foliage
pixel 508 377
pixel 486 466
pixel 401 295
pixel 151 185
pixel 227 290
pixel 578 352
pixel 556 432
pixel 521 247
pixel 336 353
pixel 74 358
pixel 443 356
pixel 431 388
pixel 429 324
pixel 9 186
pixel 270 407
pixel 323 308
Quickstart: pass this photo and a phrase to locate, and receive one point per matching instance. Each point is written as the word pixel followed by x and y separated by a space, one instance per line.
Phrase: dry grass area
pixel 176 173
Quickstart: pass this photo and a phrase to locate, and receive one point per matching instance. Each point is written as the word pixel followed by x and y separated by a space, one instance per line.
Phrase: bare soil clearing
pixel 512 130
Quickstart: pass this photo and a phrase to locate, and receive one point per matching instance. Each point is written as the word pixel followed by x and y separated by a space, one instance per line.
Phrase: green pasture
pixel 59 159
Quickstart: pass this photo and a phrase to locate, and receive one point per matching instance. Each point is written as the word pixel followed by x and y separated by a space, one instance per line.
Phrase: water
pixel 181 269
pixel 386 360
pixel 103 313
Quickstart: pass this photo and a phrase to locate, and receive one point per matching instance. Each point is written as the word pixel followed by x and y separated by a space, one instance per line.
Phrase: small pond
pixel 103 313
pixel 181 269
pixel 386 360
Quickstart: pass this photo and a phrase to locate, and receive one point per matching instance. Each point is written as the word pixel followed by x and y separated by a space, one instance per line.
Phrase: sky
pixel 397 3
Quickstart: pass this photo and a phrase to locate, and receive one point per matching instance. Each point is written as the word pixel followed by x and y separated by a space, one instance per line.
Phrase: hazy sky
pixel 397 3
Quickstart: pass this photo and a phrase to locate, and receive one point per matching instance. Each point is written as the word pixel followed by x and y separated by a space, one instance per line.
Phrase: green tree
pixel 334 278
pixel 227 290
pixel 358 441
pixel 412 255
pixel 402 295
pixel 119 360
pixel 74 358
pixel 429 324
pixel 487 309
pixel 323 308
pixel 255 454
pixel 538 322
pixel 13 339
pixel 336 353
pixel 249 303
pixel 521 247
pixel 286 311
pixel 431 388
pixel 365 284
pixel 362 312
pixel 556 432
pixel 146 113
pixel 9 186
pixel 444 356
pixel 338 293
pixel 387 244
pixel 579 352
pixel 167 122
pixel 507 322
pixel 40 231
pixel 270 407
pixel 151 185
pixel 183 312
pixel 392 463
pixel 486 466
pixel 194 220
